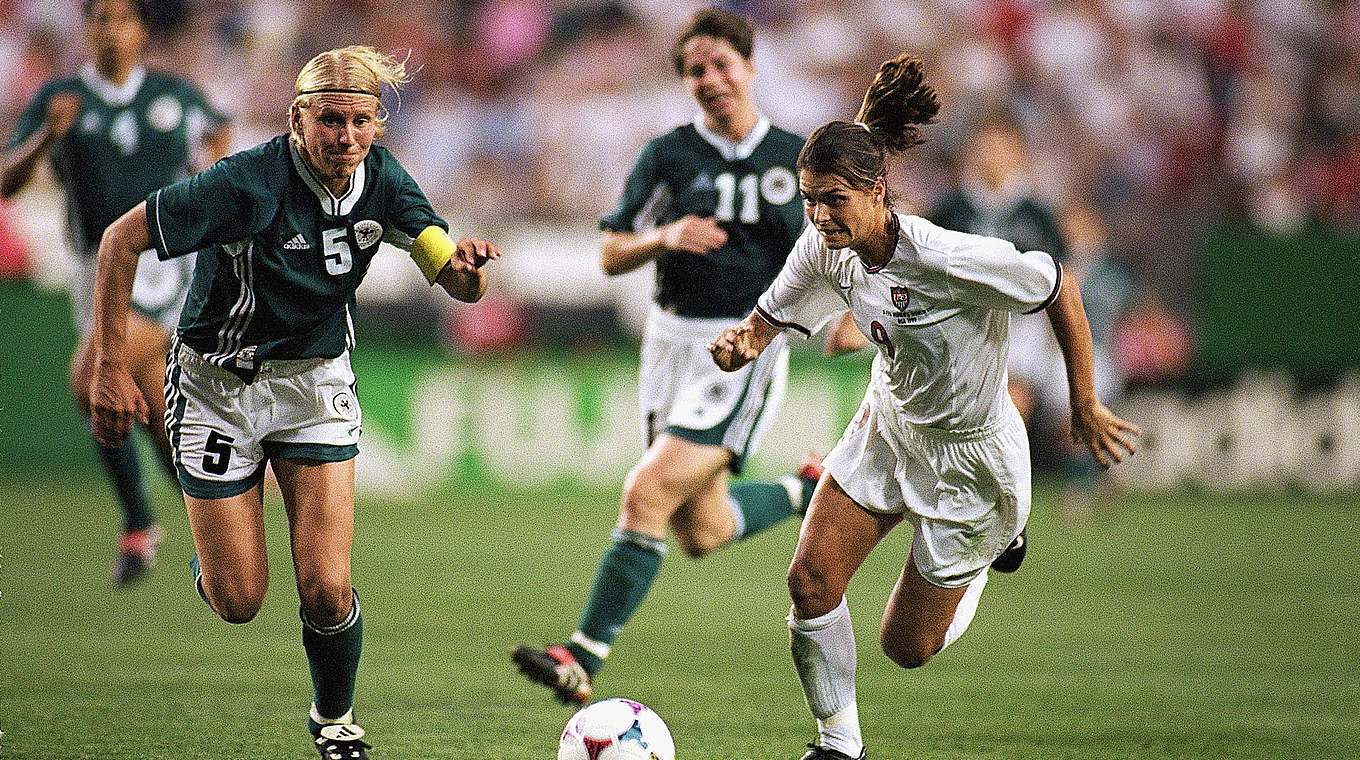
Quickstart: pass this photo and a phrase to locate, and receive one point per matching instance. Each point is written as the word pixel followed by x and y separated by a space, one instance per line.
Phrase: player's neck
pixel 735 129
pixel 877 249
pixel 117 72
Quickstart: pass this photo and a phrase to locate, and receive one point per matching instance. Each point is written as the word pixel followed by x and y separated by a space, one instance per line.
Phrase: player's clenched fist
pixel 693 234
pixel 61 112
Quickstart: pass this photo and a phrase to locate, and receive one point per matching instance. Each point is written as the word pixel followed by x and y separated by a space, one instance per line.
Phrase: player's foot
pixel 556 668
pixel 821 753
pixel 342 741
pixel 1009 560
pixel 811 468
pixel 136 554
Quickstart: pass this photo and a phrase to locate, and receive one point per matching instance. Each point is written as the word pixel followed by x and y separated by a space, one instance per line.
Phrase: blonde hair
pixel 358 70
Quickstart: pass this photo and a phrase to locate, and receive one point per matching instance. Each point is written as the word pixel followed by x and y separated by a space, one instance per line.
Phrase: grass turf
pixel 1189 626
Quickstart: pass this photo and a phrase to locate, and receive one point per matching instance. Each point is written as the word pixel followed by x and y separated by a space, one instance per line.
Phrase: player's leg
pixel 147 344
pixel 232 568
pixel 319 499
pixel 139 534
pixel 726 512
pixel 835 538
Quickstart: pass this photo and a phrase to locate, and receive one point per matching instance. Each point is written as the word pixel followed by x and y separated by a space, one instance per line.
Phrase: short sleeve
pixel 211 207
pixel 32 118
pixel 410 212
pixel 990 272
pixel 646 199
pixel 804 296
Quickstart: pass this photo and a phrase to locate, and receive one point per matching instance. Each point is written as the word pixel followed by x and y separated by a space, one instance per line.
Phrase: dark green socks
pixel 333 657
pixel 625 574
pixel 125 470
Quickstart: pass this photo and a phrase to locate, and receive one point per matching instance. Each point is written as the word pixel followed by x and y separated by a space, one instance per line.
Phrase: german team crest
pixel 900 297
pixel 367 233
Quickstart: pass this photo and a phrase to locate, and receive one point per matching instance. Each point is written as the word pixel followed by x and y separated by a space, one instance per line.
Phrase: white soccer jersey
pixel 939 311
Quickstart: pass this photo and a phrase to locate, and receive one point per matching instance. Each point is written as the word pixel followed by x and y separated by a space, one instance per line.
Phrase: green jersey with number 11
pixel 749 187
pixel 282 256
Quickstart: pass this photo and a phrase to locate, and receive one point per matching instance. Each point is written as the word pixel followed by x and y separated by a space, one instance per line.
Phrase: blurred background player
pixel 937 442
pixel 260 366
pixel 114 132
pixel 995 196
pixel 714 204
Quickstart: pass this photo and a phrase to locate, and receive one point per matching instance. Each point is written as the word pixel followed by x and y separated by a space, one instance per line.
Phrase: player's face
pixel 337 131
pixel 718 78
pixel 843 214
pixel 117 34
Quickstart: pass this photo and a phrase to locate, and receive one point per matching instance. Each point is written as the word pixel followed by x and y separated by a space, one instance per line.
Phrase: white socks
pixel 963 614
pixel 824 654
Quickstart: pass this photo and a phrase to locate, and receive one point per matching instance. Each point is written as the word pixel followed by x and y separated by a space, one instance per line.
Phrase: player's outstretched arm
pixel 115 400
pixel 463 277
pixel 740 344
pixel 622 252
pixel 1108 437
pixel 17 164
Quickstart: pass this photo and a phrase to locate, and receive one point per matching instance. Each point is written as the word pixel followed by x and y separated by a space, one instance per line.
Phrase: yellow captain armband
pixel 431 250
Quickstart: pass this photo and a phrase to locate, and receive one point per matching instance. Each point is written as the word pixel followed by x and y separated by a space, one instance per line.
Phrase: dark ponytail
pixel 895 105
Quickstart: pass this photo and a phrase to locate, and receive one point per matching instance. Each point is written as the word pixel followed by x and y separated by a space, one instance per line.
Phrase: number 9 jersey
pixel 281 256
pixel 749 187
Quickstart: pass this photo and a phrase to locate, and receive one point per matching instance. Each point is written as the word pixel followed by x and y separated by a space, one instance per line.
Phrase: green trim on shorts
pixel 218 489
pixel 321 452
pixel 713 436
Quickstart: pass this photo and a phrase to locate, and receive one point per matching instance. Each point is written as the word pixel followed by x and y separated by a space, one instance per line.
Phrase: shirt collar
pixel 732 151
pixel 114 95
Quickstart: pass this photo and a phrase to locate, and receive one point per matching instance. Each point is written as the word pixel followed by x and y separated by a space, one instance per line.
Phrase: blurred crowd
pixel 1164 115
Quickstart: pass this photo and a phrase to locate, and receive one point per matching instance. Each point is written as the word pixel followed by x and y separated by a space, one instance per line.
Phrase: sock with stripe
pixel 624 576
pixel 760 504
pixel 333 658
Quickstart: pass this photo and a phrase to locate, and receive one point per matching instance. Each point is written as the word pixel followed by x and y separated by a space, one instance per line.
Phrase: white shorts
pixel 224 430
pixel 682 392
pixel 157 293
pixel 966 495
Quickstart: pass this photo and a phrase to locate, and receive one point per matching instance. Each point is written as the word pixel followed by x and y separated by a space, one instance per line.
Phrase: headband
pixel 336 90
pixel 866 127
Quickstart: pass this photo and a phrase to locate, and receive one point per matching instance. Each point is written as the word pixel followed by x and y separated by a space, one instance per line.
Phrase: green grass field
pixel 1167 627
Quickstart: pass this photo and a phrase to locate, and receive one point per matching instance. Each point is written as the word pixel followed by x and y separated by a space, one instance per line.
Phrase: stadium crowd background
pixel 1169 115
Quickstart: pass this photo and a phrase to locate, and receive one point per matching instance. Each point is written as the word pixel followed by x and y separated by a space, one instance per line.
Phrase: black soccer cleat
pixel 556 668
pixel 1009 560
pixel 136 554
pixel 342 741
pixel 822 753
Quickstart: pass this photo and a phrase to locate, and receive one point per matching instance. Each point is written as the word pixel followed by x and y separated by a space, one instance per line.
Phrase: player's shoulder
pixel 682 136
pixel 927 237
pixel 784 138
pixel 158 81
pixel 261 169
pixel 61 83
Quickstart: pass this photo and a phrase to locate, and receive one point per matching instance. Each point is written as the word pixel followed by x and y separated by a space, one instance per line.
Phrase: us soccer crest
pixel 367 233
pixel 900 297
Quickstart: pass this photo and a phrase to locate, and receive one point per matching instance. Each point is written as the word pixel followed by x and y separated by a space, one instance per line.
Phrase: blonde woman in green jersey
pixel 259 371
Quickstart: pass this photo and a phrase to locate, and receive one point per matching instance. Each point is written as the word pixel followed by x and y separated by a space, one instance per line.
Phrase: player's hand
pixel 62 110
pixel 693 234
pixel 1108 437
pixel 115 404
pixel 732 349
pixel 471 253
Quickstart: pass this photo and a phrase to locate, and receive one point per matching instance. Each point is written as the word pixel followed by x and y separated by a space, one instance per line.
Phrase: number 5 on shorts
pixel 218 458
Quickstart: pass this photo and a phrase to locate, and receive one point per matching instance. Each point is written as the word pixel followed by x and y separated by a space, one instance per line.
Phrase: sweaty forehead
pixel 344 102
pixel 703 48
pixel 813 184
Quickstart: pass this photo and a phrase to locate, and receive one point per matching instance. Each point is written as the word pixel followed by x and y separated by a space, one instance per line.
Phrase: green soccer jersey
pixel 126 141
pixel 281 256
pixel 1020 219
pixel 751 189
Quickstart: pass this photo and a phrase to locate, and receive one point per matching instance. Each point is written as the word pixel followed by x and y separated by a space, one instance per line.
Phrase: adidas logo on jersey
pixel 298 243
pixel 701 184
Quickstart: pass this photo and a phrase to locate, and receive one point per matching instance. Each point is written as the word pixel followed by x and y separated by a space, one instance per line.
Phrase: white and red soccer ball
pixel 616 729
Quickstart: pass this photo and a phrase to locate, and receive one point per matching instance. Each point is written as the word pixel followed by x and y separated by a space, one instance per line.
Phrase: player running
pixel 115 131
pixel 260 370
pixel 714 204
pixel 937 440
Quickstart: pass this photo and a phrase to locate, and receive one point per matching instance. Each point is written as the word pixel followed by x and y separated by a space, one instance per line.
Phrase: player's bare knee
pixel 697 544
pixel 234 604
pixel 325 602
pixel 647 503
pixel 908 653
pixel 812 590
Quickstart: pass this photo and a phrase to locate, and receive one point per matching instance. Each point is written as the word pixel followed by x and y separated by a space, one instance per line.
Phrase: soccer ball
pixel 616 729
